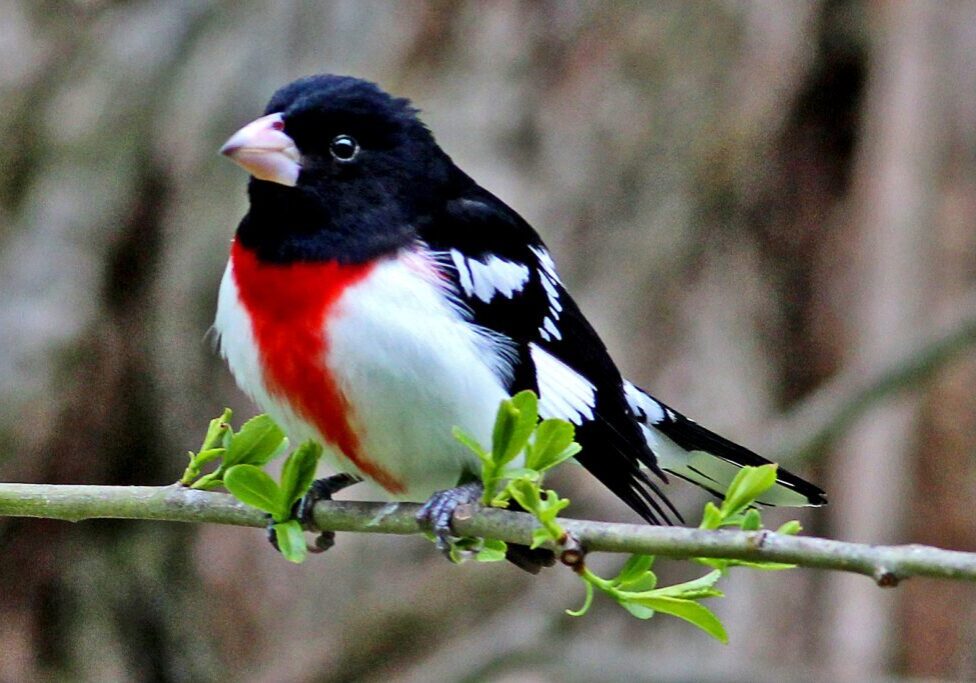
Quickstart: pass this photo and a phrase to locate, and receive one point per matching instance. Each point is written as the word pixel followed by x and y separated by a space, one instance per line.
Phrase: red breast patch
pixel 289 306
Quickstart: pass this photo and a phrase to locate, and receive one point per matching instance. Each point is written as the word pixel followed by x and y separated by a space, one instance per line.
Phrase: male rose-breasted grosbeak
pixel 376 296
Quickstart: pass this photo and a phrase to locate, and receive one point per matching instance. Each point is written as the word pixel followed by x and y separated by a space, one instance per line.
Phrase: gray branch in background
pixel 887 565
pixel 807 429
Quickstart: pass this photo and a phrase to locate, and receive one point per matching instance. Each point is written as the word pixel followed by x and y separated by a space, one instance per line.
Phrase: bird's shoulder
pixel 505 275
pixel 506 278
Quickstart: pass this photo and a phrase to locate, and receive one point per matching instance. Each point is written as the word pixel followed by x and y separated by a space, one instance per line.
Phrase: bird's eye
pixel 344 148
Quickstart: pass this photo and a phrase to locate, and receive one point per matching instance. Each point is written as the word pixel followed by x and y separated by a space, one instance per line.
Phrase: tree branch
pixel 885 564
pixel 810 426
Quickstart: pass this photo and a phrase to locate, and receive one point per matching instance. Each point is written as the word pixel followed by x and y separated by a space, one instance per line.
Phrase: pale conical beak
pixel 264 150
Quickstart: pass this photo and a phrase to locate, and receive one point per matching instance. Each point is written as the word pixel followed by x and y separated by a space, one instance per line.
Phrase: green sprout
pixel 242 455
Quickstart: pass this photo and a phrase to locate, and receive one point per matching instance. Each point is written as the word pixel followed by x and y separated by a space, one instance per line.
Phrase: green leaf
pixel 256 443
pixel 690 611
pixel 527 404
pixel 752 520
pixel 197 461
pixel 504 430
pixel 298 472
pixel 540 536
pixel 720 565
pixel 761 566
pixel 208 482
pixel 551 444
pixel 458 553
pixel 550 511
pixel 696 589
pixel 638 610
pixel 550 506
pixel 291 539
pixel 217 430
pixel 525 494
pixel 501 500
pixel 791 528
pixel 463 549
pixel 749 484
pixel 712 517
pixel 208 455
pixel 566 454
pixel 514 424
pixel 640 584
pixel 634 568
pixel 253 487
pixel 492 551
pixel 522 473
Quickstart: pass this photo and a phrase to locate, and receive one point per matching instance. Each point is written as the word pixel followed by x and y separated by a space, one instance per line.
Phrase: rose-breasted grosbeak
pixel 376 296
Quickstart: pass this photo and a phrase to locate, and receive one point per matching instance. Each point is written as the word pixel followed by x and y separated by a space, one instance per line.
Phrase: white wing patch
pixel 645 407
pixel 549 326
pixel 495 275
pixel 563 392
pixel 549 280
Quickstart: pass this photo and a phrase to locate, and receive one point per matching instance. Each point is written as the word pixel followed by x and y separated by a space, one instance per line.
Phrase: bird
pixel 376 297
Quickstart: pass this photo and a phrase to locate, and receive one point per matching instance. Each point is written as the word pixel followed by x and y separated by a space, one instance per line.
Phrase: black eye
pixel 344 148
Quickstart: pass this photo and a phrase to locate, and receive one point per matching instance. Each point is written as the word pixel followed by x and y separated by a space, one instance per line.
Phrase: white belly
pixel 409 365
pixel 411 368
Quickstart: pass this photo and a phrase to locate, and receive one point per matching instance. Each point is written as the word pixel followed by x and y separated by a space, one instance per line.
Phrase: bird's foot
pixel 437 512
pixel 321 489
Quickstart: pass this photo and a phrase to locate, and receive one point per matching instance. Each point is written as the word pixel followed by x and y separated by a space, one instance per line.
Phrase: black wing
pixel 505 275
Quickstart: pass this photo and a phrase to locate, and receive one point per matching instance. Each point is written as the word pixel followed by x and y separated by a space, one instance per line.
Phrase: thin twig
pixel 887 565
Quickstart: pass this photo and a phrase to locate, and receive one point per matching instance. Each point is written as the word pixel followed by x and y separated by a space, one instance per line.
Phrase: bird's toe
pixel 437 512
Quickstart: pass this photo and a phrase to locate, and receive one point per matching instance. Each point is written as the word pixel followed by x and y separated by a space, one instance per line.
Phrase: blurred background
pixel 766 208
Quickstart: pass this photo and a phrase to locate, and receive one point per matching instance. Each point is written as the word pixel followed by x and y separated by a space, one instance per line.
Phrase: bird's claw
pixel 321 489
pixel 437 512
pixel 324 541
pixel 272 536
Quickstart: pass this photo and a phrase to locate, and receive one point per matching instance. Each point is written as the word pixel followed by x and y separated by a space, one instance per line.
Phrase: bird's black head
pixel 341 171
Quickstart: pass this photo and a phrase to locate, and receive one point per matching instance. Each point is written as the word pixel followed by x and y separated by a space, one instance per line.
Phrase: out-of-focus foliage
pixel 749 199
